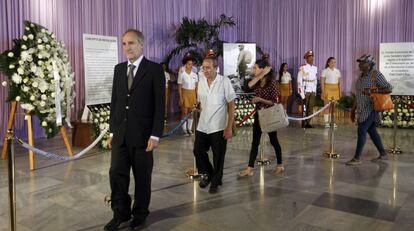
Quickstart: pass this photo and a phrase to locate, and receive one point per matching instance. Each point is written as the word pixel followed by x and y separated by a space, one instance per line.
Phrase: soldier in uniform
pixel 245 57
pixel 307 82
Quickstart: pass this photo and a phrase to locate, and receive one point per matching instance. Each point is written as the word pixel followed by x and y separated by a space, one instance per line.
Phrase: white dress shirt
pixel 213 100
pixel 286 78
pixel 188 81
pixel 136 64
pixel 331 76
pixel 307 78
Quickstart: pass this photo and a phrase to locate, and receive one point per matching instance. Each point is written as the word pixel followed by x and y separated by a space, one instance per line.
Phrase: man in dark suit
pixel 136 124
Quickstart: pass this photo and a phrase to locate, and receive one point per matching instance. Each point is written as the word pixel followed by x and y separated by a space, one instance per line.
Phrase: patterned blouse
pixel 364 102
pixel 270 92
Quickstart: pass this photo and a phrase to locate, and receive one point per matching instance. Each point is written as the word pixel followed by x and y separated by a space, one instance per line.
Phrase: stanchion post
pixel 194 175
pixel 395 150
pixel 331 153
pixel 12 184
pixel 262 161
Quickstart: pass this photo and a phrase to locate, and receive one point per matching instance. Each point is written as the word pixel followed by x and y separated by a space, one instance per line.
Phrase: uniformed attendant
pixel 187 89
pixel 331 86
pixel 285 81
pixel 307 82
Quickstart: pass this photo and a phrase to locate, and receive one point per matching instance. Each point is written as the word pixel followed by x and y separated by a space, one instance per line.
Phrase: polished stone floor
pixel 312 194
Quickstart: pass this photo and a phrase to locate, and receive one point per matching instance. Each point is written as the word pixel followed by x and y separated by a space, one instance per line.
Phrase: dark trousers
pixel 124 158
pixel 203 142
pixel 309 102
pixel 368 126
pixel 257 134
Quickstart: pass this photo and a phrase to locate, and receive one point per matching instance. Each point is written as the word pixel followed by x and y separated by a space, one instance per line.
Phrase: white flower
pixel 27 28
pixel 42 103
pixel 44 123
pixel 39 41
pixel 45 39
pixel 4 83
pixel 16 78
pixel 24 55
pixel 20 71
pixel 10 54
pixel 31 37
pixel 11 66
pixel 35 84
pixel 32 98
pixel 40 47
pixel 43 30
pixel 31 25
pixel 24 47
pixel 53 95
pixel 53 36
pixel 24 37
pixel 21 62
pixel 17 98
pixel 33 69
pixel 43 97
pixel 43 86
pixel 101 126
pixel 28 107
pixel 25 80
pixel 25 88
pixel 95 121
pixel 47 46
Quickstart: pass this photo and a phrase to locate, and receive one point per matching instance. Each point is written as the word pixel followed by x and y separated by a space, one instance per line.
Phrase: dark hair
pixel 139 34
pixel 262 63
pixel 282 66
pixel 186 59
pixel 212 59
pixel 329 60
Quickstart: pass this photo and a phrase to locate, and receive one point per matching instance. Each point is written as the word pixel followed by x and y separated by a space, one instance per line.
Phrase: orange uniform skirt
pixel 189 97
pixel 331 91
pixel 285 89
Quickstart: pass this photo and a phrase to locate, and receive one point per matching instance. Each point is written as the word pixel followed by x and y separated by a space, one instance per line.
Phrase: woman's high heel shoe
pixel 279 169
pixel 246 172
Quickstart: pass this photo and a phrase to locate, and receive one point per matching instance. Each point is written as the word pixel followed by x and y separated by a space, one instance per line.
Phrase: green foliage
pixel 198 36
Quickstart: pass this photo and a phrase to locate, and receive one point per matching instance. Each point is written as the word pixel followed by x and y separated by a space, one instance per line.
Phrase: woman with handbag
pixel 371 83
pixel 266 91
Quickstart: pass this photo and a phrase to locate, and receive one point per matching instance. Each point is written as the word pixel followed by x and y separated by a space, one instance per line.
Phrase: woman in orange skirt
pixel 285 81
pixel 187 89
pixel 331 86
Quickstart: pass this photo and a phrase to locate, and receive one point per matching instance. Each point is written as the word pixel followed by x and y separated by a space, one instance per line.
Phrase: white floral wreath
pixel 40 76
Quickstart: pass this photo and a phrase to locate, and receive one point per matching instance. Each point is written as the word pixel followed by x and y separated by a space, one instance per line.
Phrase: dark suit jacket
pixel 139 113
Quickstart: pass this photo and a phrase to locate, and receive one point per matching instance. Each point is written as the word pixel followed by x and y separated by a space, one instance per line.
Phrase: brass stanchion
pixel 193 174
pixel 395 150
pixel 262 161
pixel 331 153
pixel 11 173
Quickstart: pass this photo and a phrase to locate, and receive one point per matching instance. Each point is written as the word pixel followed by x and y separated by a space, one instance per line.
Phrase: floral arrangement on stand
pixel 405 113
pixel 40 77
pixel 100 121
pixel 243 107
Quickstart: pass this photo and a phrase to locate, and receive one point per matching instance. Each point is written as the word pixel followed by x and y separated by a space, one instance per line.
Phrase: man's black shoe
pixel 213 189
pixel 136 223
pixel 115 224
pixel 204 182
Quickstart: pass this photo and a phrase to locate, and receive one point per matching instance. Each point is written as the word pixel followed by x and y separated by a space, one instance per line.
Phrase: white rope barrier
pixel 59 157
pixel 314 114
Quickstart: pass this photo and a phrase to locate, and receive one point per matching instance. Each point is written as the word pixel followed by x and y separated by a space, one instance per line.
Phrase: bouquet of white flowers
pixel 40 76
pixel 404 112
pixel 100 121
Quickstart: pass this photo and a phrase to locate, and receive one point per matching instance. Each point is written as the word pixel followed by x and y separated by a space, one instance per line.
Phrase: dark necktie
pixel 130 75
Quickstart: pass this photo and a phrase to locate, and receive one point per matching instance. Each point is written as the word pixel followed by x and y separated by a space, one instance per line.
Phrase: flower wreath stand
pixel 28 118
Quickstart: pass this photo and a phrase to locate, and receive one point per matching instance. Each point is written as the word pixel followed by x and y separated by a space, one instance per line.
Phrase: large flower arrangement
pixel 100 121
pixel 405 113
pixel 40 77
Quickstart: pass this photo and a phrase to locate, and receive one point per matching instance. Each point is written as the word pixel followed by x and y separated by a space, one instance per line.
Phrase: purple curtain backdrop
pixel 284 28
